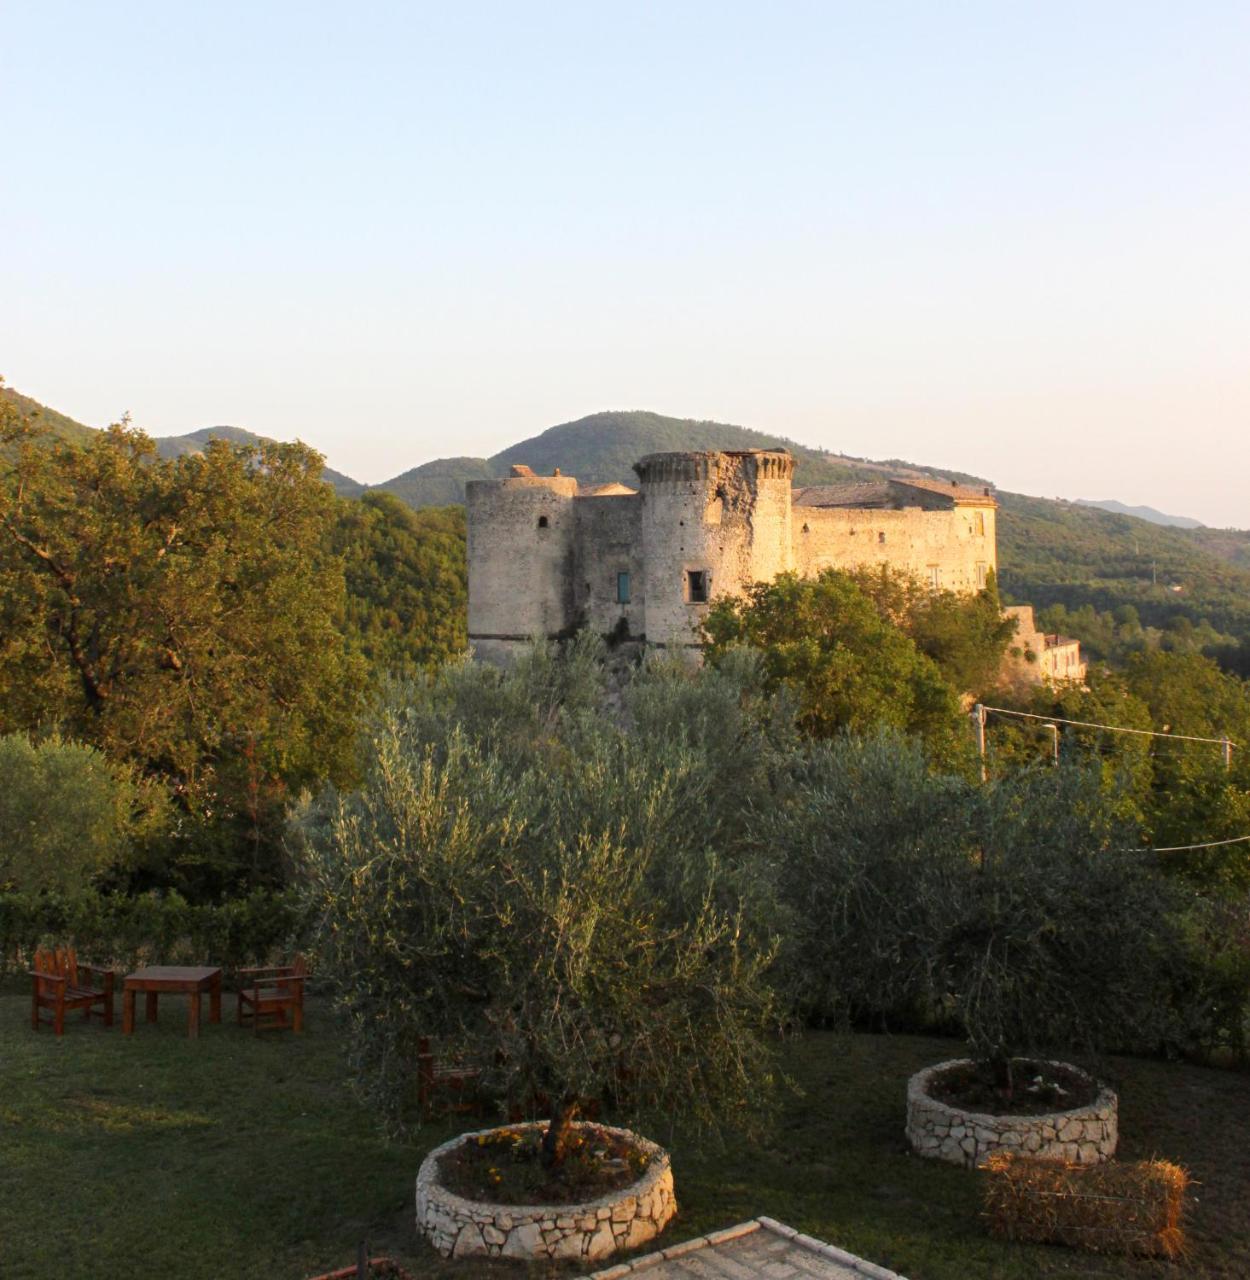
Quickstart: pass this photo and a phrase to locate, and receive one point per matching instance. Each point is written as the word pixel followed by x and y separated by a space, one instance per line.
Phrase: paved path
pixel 757 1250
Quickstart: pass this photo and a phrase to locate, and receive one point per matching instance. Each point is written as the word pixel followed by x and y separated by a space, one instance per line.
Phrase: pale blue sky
pixel 1011 238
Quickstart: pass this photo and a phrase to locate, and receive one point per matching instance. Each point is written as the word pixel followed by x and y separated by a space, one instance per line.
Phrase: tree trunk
pixel 1004 1081
pixel 555 1140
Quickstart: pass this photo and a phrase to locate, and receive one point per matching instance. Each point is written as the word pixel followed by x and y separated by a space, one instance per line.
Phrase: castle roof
pixel 611 490
pixel 872 493
pixel 894 492
pixel 961 494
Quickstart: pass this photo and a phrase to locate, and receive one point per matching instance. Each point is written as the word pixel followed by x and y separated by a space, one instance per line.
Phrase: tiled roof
pixel 761 1247
pixel 948 488
pixel 873 493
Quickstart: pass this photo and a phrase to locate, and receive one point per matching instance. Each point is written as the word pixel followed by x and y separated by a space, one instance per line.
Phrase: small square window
pixel 622 588
pixel 696 586
pixel 881 537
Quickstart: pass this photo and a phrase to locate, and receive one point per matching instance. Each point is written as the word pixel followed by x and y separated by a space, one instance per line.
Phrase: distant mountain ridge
pixel 1142 513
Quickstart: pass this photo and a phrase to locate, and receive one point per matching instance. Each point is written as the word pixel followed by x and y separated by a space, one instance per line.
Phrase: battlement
pixel 705 467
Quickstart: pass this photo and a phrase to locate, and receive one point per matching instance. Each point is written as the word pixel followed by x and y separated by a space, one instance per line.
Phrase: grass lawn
pixel 242 1157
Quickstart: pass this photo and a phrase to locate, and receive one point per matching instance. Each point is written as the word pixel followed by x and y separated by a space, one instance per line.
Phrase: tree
pixel 556 914
pixel 407 582
pixel 965 635
pixel 181 617
pixel 67 814
pixel 848 668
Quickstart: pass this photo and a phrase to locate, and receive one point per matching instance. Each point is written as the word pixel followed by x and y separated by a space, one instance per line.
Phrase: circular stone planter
pixel 1084 1135
pixel 589 1231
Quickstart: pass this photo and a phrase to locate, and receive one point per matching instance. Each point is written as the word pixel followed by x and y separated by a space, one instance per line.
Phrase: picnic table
pixel 158 979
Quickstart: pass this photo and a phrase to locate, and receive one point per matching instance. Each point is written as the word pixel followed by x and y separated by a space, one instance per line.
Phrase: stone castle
pixel 548 557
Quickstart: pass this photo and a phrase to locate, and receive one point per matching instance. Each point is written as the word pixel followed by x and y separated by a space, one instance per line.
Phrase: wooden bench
pixel 457 1081
pixel 57 987
pixel 267 994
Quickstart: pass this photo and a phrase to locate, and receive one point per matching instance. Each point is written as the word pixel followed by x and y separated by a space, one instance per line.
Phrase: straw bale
pixel 1128 1208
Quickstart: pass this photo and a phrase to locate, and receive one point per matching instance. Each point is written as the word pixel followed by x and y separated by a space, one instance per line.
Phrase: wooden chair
pixel 458 1081
pixel 269 993
pixel 57 987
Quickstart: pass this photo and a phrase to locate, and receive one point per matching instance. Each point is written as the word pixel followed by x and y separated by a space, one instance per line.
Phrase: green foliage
pixel 1177 792
pixel 126 931
pixel 407 582
pixel 864 855
pixel 551 906
pixel 180 616
pixel 67 814
pixel 826 642
pixel 965 635
pixel 1010 909
pixel 1058 938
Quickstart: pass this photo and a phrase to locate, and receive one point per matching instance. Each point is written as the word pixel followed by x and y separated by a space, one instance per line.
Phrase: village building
pixel 548 557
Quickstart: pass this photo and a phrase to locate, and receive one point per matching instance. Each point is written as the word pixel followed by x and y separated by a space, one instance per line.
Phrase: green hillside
pixel 47 419
pixel 1062 552
pixel 194 442
pixel 439 483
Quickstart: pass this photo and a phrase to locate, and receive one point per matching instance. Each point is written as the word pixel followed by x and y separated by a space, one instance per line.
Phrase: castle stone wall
pixel 726 515
pixel 609 543
pixel 521 542
pixel 958 543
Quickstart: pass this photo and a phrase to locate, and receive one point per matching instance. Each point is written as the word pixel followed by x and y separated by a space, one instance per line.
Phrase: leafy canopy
pixel 180 615
pixel 826 642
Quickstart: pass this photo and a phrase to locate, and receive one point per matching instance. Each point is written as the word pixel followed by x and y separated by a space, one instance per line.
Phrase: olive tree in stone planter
pixel 1056 938
pixel 531 885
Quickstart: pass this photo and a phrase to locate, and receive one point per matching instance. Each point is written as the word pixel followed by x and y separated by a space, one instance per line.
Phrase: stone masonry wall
pixel 955 542
pixel 521 537
pixel 587 1232
pixel 1083 1135
pixel 609 542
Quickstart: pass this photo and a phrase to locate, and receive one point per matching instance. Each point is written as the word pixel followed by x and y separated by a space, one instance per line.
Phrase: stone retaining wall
pixel 591 1231
pixel 1084 1135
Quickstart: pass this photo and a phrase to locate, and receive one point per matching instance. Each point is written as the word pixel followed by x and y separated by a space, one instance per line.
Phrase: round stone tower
pixel 712 524
pixel 521 552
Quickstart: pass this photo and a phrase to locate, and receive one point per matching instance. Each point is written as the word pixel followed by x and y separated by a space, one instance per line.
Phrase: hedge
pixel 152 928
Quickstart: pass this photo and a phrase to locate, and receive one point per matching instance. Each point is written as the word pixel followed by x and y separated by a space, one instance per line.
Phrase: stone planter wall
pixel 1084 1135
pixel 591 1231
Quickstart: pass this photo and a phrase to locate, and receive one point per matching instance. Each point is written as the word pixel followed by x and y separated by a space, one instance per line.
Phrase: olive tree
pixel 551 913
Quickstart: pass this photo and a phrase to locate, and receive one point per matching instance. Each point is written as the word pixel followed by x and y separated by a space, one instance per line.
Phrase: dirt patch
pixel 1038 1088
pixel 505 1167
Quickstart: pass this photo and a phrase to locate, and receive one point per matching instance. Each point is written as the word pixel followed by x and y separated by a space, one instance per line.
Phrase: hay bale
pixel 1107 1208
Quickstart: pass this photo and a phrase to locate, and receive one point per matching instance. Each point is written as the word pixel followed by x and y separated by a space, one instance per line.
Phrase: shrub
pixel 126 932
pixel 67 813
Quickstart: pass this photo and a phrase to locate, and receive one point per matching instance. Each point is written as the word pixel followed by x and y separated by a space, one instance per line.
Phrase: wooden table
pixel 186 979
